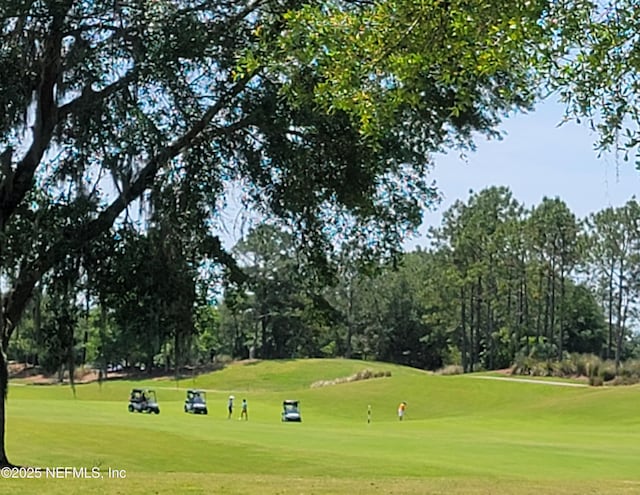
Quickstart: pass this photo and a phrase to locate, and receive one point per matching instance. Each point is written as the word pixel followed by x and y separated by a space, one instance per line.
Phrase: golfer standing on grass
pixel 244 413
pixel 401 408
pixel 230 406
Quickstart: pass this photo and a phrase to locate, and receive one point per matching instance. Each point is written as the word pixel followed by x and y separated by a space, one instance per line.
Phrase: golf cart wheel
pixel 157 411
pixel 185 409
pixel 130 408
pixel 205 412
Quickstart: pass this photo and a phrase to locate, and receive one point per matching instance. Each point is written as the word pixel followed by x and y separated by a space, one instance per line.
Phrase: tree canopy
pixel 596 69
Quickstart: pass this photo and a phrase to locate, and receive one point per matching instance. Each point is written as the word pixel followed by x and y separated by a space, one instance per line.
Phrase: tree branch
pixel 75 237
pixel 14 188
pixel 89 96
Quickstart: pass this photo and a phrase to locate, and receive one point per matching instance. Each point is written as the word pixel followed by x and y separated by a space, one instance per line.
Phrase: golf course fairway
pixel 461 435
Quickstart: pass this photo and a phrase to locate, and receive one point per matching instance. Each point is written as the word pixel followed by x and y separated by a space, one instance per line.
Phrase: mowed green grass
pixel 461 435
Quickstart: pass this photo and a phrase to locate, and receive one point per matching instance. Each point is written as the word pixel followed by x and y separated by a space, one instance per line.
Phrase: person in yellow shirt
pixel 401 409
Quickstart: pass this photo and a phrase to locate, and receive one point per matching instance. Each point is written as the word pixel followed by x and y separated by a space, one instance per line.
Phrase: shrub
pixel 592 365
pixel 360 375
pixel 598 371
pixel 608 371
pixel 585 363
pixel 566 367
pixel 523 365
pixel 223 359
pixel 630 369
pixel 596 381
pixel 542 368
pixel 625 380
pixel 451 369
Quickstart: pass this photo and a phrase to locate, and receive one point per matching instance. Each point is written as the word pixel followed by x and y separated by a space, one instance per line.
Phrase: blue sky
pixel 537 158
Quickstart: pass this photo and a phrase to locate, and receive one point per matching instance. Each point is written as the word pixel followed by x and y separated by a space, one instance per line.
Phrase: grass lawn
pixel 460 436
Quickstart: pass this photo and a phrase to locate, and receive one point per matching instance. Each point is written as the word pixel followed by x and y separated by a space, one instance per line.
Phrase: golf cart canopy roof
pixel 195 391
pixel 290 402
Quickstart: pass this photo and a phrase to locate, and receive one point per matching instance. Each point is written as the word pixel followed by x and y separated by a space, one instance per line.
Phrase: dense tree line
pixel 498 281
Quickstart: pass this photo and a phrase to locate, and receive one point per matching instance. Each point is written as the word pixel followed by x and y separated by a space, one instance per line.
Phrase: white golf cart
pixel 143 401
pixel 291 411
pixel 196 402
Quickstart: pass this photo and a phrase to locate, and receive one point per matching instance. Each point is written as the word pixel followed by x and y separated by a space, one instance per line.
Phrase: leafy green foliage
pixel 445 68
pixel 150 292
pixel 595 68
pixel 278 311
pixel 613 255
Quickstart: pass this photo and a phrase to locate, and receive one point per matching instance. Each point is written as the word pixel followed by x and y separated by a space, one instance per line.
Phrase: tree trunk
pixel 526 322
pixel 552 304
pixel 489 334
pixel 463 328
pixel 256 334
pixel 520 326
pixel 4 388
pixel 561 317
pixel 71 365
pixel 148 366
pixel 510 291
pixel 266 354
pixel 539 312
pixel 610 339
pixel 478 310
pixel 176 352
pixel 619 317
pixel 102 359
pixel 5 333
pixel 348 350
pixel 513 316
pixel 472 353
pixel 621 333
